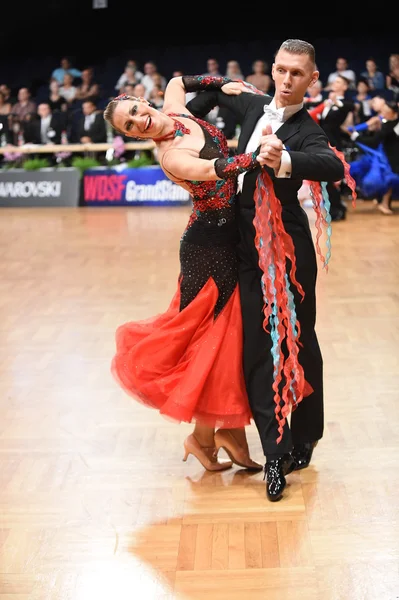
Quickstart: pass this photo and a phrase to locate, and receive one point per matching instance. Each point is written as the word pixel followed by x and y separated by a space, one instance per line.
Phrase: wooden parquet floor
pixel 95 501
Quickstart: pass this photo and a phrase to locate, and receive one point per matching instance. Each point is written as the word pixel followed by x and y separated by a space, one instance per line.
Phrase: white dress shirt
pixel 275 117
pixel 44 127
pixel 334 105
pixel 89 120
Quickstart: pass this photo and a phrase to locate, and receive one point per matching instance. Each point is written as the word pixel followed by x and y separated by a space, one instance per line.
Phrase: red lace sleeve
pixel 226 168
pixel 196 83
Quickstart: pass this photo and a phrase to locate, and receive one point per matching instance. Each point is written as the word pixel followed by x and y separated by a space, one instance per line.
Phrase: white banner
pixel 100 3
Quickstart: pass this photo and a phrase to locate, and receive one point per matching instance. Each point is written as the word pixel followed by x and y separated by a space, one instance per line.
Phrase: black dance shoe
pixel 302 454
pixel 275 471
pixel 340 215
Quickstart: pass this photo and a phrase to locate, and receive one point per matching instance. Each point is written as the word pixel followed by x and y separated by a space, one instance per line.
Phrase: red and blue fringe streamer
pixel 274 247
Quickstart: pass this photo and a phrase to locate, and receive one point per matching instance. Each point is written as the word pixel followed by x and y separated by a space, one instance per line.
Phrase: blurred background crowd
pixel 67 106
pixel 48 99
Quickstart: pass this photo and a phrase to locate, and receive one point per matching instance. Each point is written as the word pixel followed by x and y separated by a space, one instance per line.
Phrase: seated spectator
pixel 157 96
pixel 150 68
pixel 55 100
pixel 362 102
pixel 159 80
pixel 24 105
pixel 137 90
pixel 5 111
pixel 45 128
pixel 212 68
pixel 373 76
pixel 88 88
pixel 392 79
pixel 65 68
pixel 260 77
pixel 91 127
pixel 22 111
pixel 342 69
pixel 68 90
pixel 6 91
pixel 314 95
pixel 128 78
pixel 129 75
pixel 5 105
pixel 233 70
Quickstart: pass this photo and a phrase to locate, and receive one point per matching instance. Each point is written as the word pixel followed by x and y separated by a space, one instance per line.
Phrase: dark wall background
pixel 36 35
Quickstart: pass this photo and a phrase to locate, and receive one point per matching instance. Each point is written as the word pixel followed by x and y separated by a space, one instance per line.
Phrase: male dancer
pixel 294 148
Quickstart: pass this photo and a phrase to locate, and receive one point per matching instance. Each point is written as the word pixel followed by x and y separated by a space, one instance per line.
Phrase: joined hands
pixel 271 148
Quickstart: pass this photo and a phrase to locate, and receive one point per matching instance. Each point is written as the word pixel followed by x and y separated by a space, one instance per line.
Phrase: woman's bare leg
pixel 385 204
pixel 204 435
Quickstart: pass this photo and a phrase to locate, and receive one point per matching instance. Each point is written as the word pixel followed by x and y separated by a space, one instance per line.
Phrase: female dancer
pixel 376 171
pixel 187 362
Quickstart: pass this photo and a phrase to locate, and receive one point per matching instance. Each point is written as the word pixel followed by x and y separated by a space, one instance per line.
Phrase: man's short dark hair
pixel 299 47
pixel 345 79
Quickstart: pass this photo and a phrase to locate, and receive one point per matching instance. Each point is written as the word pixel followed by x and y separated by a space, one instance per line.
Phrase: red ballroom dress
pixel 187 361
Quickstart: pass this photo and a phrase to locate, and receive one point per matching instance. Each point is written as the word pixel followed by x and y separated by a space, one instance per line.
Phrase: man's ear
pixel 315 77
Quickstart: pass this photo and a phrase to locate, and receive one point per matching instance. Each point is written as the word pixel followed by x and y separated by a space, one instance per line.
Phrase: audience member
pixel 88 88
pixel 212 68
pixel 91 128
pixel 314 95
pixel 5 111
pixel 392 79
pixel 150 69
pixel 233 70
pixel 6 91
pixel 342 69
pixel 24 106
pixel 65 68
pixel 68 90
pixel 55 100
pixel 137 90
pixel 21 112
pixel 45 127
pixel 129 75
pixel 157 96
pixel 373 76
pixel 260 77
pixel 362 102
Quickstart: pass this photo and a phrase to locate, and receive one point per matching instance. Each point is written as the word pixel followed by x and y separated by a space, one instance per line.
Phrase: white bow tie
pixel 274 114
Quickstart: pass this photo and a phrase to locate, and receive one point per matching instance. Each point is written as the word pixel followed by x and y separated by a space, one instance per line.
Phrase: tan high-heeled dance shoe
pixel 207 456
pixel 237 454
pixel 385 210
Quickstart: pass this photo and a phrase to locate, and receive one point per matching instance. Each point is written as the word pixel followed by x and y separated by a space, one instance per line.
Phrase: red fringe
pixel 274 246
pixel 320 222
pixel 351 183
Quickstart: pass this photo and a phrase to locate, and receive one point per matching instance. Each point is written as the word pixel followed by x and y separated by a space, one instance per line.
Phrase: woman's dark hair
pixel 392 105
pixel 362 80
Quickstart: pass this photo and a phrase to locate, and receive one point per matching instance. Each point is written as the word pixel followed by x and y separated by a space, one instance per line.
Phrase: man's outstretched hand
pixel 235 88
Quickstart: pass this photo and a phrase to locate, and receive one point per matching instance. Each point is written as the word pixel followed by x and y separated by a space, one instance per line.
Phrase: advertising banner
pixel 45 187
pixel 143 186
